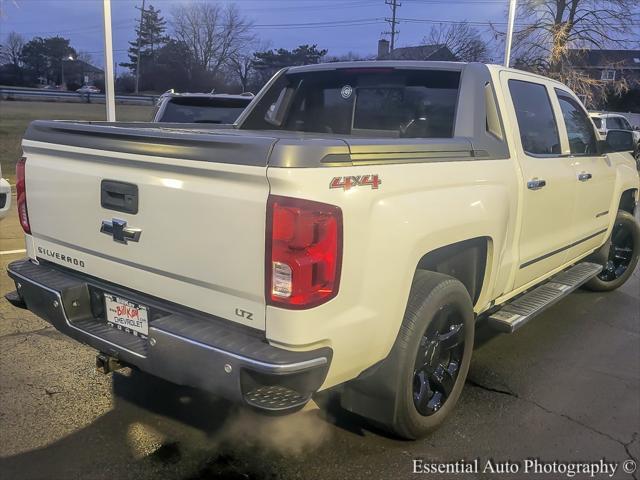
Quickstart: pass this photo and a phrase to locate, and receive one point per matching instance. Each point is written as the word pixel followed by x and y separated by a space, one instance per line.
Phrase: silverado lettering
pixel 59 256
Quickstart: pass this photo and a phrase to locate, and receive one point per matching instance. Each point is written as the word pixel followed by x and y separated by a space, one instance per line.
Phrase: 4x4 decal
pixel 349 182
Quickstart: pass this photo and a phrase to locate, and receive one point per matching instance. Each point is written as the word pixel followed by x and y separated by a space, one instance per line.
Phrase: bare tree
pixel 552 31
pixel 551 27
pixel 213 33
pixel 241 67
pixel 84 57
pixel 11 50
pixel 464 41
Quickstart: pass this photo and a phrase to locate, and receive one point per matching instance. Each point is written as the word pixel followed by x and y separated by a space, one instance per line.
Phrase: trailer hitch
pixel 107 364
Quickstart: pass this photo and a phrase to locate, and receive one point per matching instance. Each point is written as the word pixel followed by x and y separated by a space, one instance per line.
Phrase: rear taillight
pixel 21 195
pixel 304 252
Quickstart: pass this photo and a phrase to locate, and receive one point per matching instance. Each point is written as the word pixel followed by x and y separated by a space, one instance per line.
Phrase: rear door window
pixel 536 121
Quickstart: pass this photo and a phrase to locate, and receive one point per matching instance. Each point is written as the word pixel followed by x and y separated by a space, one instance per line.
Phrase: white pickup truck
pixel 347 233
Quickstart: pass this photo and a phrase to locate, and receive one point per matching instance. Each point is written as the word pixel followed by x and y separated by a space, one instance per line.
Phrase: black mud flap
pixel 371 395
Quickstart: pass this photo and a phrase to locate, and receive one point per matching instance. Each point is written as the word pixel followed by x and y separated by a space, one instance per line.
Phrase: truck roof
pixel 605 115
pixel 416 64
pixel 378 64
pixel 239 96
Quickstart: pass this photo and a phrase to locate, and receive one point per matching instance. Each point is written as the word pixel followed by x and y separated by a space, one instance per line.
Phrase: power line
pixel 307 8
pixel 394 4
pixel 481 24
pixel 324 24
pixel 121 24
pixel 466 2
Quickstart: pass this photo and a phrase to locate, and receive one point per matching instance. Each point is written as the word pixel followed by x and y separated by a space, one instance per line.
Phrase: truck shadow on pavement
pixel 156 429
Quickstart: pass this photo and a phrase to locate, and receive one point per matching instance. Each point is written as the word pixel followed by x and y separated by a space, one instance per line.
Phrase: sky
pixel 341 26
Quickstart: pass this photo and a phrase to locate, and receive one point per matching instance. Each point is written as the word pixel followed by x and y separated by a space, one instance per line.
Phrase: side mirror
pixel 620 141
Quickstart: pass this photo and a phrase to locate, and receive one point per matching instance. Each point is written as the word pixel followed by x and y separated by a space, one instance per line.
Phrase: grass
pixel 15 116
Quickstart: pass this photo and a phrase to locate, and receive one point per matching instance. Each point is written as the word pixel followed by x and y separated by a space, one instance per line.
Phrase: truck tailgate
pixel 201 216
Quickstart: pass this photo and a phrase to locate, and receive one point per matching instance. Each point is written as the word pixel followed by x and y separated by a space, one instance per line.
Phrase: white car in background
pixel 5 196
pixel 88 89
pixel 614 121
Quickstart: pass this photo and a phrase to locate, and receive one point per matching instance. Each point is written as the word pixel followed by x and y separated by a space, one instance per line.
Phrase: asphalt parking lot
pixel 565 387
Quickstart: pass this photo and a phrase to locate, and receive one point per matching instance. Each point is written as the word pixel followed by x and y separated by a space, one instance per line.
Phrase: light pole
pixel 512 18
pixel 109 91
pixel 62 60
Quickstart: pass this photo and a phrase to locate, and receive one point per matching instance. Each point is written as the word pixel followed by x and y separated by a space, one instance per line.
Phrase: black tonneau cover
pixel 184 141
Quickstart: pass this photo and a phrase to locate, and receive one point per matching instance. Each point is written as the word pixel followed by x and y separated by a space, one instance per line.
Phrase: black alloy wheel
pixel 620 253
pixel 438 361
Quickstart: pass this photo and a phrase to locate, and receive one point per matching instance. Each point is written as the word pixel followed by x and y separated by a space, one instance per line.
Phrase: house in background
pixel 420 52
pixel 607 65
pixel 78 73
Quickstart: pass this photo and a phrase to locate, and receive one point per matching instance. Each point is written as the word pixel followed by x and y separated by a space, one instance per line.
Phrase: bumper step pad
pixel 516 313
pixel 275 397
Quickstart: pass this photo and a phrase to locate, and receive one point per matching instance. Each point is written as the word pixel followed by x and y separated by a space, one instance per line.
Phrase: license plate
pixel 126 315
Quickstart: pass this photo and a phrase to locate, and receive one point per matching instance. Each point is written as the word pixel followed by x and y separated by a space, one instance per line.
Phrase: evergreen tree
pixel 269 62
pixel 150 35
pixel 43 57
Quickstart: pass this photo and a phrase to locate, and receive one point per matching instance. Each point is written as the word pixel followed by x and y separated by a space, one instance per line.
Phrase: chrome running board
pixel 519 311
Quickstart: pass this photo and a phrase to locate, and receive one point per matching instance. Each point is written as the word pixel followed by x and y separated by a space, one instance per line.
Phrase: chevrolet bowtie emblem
pixel 119 231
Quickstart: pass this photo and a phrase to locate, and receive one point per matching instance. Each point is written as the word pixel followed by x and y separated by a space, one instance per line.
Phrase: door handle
pixel 584 176
pixel 536 184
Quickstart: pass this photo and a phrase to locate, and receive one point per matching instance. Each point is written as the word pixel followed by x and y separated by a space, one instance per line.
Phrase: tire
pixel 434 296
pixel 623 254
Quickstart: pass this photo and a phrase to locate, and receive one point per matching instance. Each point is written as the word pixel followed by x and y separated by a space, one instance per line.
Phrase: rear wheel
pixel 433 353
pixel 623 254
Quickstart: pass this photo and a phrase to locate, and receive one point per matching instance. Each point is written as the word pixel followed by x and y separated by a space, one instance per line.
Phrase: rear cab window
pixel 381 102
